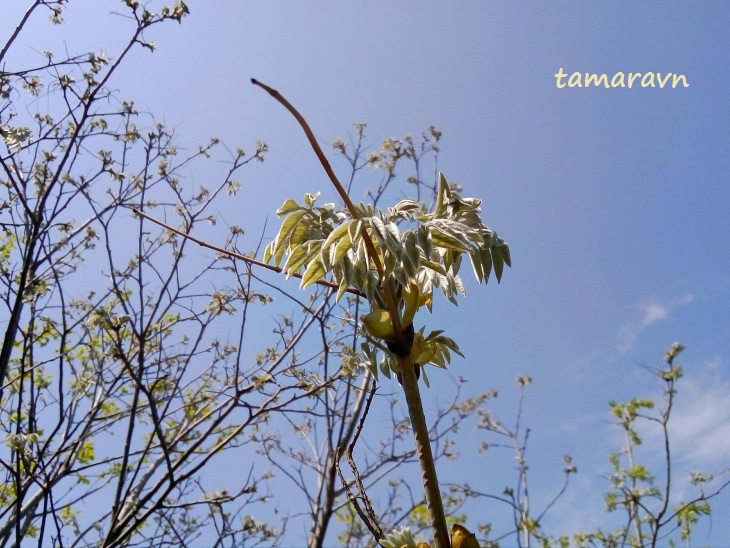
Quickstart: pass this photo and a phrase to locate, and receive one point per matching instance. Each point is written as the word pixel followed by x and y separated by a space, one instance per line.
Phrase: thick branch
pixel 410 382
pixel 423 449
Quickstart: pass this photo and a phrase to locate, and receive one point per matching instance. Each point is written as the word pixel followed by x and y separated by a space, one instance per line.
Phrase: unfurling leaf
pixel 378 324
pixel 461 537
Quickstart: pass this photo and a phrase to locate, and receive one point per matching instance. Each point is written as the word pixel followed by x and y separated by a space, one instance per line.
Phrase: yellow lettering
pixel 617 81
pixel 659 77
pixel 676 79
pixel 559 76
pixel 633 76
pixel 575 80
pixel 597 79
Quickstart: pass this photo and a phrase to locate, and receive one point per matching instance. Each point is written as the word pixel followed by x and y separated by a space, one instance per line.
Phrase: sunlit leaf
pixel 310 199
pixel 336 235
pixel 279 255
pixel 288 207
pixel 289 224
pixel 411 254
pixel 347 270
pixel 461 537
pixel 355 229
pixel 476 263
pixel 268 252
pixel 315 270
pixel 300 229
pixel 298 257
pixel 443 195
pixel 379 231
pixel 485 256
pixel 449 235
pixel 343 246
pixel 423 238
pixel 341 291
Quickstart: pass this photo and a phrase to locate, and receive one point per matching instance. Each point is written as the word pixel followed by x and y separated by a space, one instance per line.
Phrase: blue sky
pixel 614 201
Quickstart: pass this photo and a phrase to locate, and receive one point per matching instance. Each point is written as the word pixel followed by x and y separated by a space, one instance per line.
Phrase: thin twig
pixel 235 255
pixel 352 498
pixel 368 516
pixel 351 460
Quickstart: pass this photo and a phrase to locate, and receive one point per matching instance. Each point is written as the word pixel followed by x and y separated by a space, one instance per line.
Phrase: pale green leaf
pixel 385 367
pixel 423 237
pixel 347 269
pixel 268 252
pixel 436 267
pixel 355 228
pixel 289 224
pixel 289 207
pixel 310 199
pixel 412 255
pixel 335 235
pixel 379 231
pixel 315 271
pixel 300 230
pixel 279 255
pixel 298 257
pixel 343 246
pixel 443 196
pixel 448 241
pixel 341 291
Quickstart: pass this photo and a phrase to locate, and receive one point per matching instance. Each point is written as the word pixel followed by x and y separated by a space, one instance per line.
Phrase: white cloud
pixel 653 313
pixel 700 425
pixel 699 431
pixel 649 314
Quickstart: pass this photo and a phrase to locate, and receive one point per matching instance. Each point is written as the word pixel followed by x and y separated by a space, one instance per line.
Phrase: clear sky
pixel 614 201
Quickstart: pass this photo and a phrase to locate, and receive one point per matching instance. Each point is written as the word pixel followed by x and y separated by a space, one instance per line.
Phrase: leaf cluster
pixel 416 250
pixel 318 241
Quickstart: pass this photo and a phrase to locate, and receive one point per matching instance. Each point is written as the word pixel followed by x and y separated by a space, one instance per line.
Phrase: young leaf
pixel 289 207
pixel 498 262
pixel 314 272
pixel 289 224
pixel 298 257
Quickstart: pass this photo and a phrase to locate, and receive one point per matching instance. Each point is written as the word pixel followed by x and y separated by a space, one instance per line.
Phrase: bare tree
pixel 116 390
pixel 134 409
pixel 120 386
pixel 641 495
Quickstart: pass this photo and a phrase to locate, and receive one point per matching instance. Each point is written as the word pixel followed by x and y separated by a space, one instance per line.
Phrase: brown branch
pixel 372 252
pixel 235 255
pixel 410 382
pixel 368 515
pixel 313 142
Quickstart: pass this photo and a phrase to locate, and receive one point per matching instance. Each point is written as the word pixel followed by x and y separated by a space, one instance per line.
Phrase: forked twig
pixel 368 515
pixel 235 255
